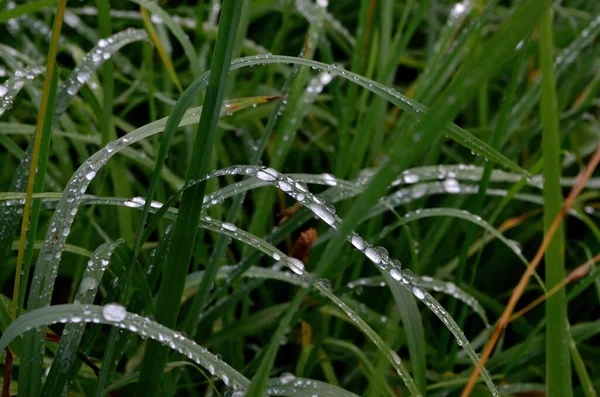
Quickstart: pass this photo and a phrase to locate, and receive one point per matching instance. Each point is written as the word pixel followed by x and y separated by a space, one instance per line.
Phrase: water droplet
pixel 114 312
pixel 83 76
pixel 411 178
pixel 88 283
pixel 451 186
pixel 324 214
pixel 329 179
pixel 296 265
pixel 286 378
pixel 229 226
pixel 418 293
pixel 373 255
pixel 358 242
pixel 265 176
pixel 283 185
pixel 396 275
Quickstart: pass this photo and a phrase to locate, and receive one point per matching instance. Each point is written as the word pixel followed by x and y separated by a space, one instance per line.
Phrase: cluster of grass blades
pixel 298 198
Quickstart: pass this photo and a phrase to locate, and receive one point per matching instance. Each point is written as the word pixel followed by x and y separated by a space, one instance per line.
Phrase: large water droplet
pixel 296 265
pixel 418 293
pixel 229 226
pixel 286 378
pixel 451 186
pixel 373 255
pixel 83 76
pixel 395 274
pixel 114 312
pixel 411 178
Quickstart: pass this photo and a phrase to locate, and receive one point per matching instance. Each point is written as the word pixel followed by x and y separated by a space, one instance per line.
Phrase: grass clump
pixel 309 198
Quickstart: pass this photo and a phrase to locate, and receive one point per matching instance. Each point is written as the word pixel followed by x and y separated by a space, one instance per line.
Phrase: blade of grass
pixel 27 8
pixel 58 374
pixel 116 315
pixel 413 326
pixel 185 229
pixel 587 386
pixel 558 364
pixel 31 370
pixel 117 170
pixel 200 300
pixel 38 188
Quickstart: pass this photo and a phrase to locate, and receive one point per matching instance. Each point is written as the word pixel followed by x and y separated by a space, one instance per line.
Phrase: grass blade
pixel 27 8
pixel 185 229
pixel 44 152
pixel 117 171
pixel 413 326
pixel 558 364
pixel 116 315
pixel 71 336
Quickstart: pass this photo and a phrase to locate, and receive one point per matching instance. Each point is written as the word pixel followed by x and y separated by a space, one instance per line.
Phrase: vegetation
pixel 292 197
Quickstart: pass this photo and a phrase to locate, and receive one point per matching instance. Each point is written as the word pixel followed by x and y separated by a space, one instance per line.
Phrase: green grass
pixel 558 368
pixel 185 149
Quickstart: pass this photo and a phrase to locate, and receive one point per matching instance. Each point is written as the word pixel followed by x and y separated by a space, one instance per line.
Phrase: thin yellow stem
pixel 60 11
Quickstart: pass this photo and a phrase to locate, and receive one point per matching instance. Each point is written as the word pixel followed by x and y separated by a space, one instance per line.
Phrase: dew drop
pixel 229 226
pixel 114 312
pixel 418 293
pixel 451 186
pixel 411 178
pixel 358 242
pixel 286 378
pixel 296 265
pixel 373 255
pixel 82 77
pixel 265 176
